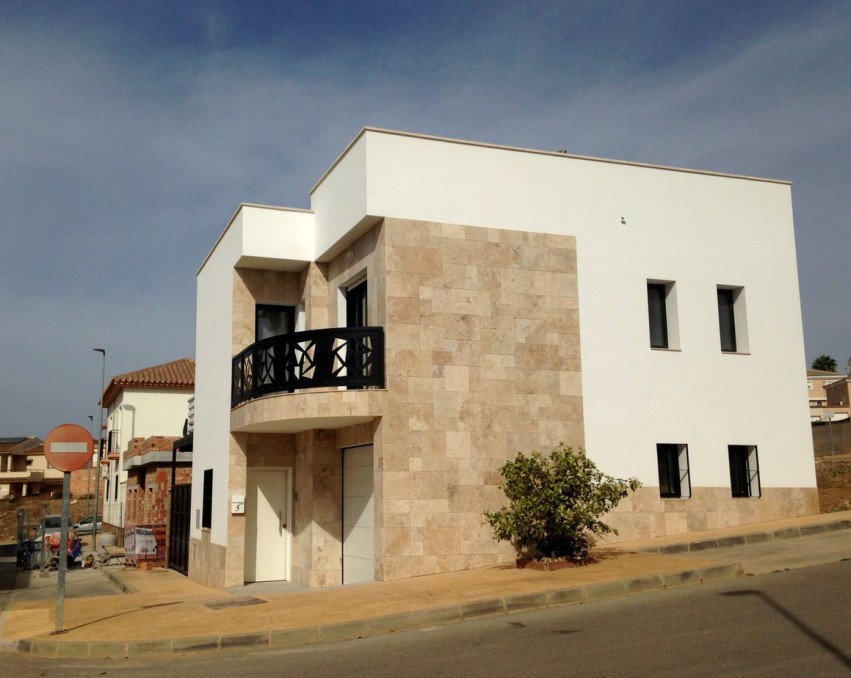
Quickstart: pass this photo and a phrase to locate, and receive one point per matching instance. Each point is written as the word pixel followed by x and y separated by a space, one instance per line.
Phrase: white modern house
pixel 365 367
pixel 141 404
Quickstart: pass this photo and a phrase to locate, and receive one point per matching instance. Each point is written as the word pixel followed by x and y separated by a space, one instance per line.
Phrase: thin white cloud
pixel 118 173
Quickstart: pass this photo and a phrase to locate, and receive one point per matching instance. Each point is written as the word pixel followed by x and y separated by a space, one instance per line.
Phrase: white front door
pixel 267 525
pixel 358 515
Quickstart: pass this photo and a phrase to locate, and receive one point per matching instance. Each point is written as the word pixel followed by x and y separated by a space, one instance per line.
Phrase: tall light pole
pixel 89 472
pixel 99 447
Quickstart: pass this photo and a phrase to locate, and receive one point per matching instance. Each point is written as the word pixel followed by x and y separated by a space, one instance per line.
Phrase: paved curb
pixel 115 579
pixel 377 626
pixel 748 538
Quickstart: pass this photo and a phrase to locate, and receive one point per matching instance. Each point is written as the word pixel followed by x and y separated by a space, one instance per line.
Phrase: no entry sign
pixel 68 447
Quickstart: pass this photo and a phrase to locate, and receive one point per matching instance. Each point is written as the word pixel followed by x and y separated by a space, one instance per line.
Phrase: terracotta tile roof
pixel 178 374
pixel 22 446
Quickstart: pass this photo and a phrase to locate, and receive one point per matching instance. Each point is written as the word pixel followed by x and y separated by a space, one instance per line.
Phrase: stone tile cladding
pixel 644 515
pixel 482 334
pixel 482 360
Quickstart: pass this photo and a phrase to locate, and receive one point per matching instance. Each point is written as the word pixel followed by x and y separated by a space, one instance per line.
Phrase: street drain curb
pixel 236 601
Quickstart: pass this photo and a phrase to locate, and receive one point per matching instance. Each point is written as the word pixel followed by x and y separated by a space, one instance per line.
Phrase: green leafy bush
pixel 555 504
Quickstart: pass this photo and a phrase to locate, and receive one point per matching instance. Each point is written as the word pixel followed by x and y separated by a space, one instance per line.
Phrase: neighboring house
pixel 816 382
pixel 838 405
pixel 364 368
pixel 141 404
pixel 24 470
pixel 154 467
pixel 148 464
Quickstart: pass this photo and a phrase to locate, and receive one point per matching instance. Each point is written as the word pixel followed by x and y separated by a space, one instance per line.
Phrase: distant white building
pixel 141 404
pixel 365 367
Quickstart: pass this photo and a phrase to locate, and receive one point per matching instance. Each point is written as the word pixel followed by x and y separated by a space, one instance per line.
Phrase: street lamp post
pixel 99 448
pixel 89 472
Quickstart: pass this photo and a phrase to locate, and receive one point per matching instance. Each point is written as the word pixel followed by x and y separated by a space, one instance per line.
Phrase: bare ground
pixel 35 508
pixel 833 476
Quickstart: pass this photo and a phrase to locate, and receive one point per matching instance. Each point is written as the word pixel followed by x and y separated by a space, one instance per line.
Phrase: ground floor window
pixel 744 470
pixel 674 481
pixel 207 500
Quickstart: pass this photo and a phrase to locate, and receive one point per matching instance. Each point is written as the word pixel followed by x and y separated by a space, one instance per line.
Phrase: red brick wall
pixel 80 483
pixel 148 501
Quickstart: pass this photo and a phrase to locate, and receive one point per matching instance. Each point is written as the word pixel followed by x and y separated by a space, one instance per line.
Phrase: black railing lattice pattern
pixel 350 357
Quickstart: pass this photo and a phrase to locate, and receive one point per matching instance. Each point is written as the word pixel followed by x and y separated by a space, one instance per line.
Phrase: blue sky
pixel 129 133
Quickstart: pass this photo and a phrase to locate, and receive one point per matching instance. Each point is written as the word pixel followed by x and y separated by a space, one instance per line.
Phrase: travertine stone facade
pixel 643 514
pixel 207 562
pixel 482 361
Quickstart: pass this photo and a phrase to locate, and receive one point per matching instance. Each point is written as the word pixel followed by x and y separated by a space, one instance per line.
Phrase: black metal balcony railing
pixel 351 357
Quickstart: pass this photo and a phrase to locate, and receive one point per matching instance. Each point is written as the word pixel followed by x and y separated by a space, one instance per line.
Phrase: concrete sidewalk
pixel 163 612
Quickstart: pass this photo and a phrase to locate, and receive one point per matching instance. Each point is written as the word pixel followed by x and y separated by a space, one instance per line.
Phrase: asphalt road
pixel 786 623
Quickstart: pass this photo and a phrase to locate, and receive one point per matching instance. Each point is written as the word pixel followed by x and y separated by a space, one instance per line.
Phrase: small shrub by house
pixel 555 504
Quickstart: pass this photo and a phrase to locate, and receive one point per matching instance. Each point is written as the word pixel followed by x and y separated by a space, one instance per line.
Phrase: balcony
pixel 328 358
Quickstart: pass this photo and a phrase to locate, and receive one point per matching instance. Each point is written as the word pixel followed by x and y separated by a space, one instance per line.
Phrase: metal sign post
pixel 63 553
pixel 67 448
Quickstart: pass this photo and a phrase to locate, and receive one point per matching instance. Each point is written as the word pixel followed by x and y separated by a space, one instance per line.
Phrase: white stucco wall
pixel 276 238
pixel 213 354
pixel 257 235
pixel 699 230
pixel 139 413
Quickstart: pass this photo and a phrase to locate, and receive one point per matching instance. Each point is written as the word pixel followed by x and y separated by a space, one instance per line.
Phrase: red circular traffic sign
pixel 68 447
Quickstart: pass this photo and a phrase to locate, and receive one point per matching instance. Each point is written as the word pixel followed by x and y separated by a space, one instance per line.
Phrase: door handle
pixel 281 520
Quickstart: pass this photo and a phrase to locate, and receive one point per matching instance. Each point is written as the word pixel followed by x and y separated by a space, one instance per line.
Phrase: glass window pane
pixel 657 312
pixel 738 455
pixel 669 476
pixel 273 321
pixel 727 320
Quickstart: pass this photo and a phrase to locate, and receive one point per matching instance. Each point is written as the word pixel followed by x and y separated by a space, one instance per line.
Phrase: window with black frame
pixel 357 352
pixel 270 321
pixel 744 471
pixel 207 500
pixel 727 319
pixel 672 460
pixel 658 315
pixel 273 320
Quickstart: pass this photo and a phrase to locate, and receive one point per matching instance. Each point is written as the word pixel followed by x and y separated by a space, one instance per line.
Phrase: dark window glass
pixel 356 305
pixel 744 471
pixel 112 441
pixel 727 320
pixel 658 313
pixel 272 321
pixel 739 470
pixel 669 470
pixel 207 500
pixel 356 357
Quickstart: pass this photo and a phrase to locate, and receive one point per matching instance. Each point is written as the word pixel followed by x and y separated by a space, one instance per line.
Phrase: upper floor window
pixel 356 305
pixel 731 319
pixel 662 314
pixel 272 321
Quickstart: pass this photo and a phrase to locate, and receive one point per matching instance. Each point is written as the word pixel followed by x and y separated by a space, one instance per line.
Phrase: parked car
pixel 85 525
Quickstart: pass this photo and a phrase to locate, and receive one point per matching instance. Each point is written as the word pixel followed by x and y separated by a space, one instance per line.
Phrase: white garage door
pixel 358 515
